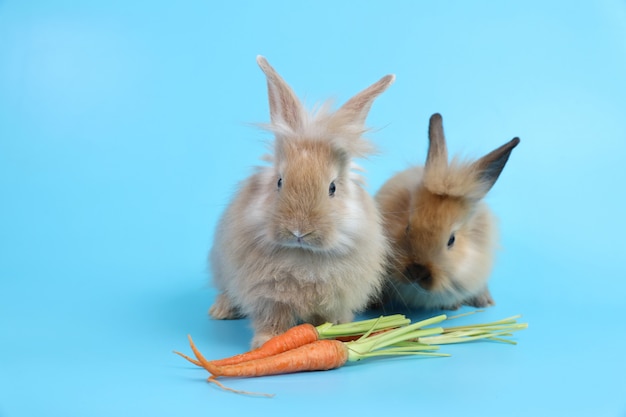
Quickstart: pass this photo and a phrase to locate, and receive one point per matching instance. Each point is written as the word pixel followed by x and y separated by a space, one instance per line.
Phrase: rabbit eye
pixel 451 241
pixel 280 183
pixel 331 189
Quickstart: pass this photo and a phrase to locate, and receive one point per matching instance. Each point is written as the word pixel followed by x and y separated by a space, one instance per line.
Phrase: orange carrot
pixel 296 336
pixel 320 355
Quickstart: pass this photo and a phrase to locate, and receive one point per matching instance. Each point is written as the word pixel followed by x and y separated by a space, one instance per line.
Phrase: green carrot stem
pixel 508 320
pixel 481 328
pixel 502 331
pixel 395 353
pixel 355 328
pixel 469 313
pixel 413 345
pixel 447 339
pixel 500 339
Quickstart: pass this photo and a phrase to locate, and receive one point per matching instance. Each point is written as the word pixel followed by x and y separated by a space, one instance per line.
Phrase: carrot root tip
pixel 195 362
pixel 212 379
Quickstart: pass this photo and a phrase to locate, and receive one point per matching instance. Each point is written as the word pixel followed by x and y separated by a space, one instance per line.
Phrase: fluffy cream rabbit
pixel 302 239
pixel 442 233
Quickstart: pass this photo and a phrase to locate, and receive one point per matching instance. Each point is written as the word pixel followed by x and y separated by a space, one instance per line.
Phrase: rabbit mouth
pixel 426 280
pixel 421 275
pixel 297 239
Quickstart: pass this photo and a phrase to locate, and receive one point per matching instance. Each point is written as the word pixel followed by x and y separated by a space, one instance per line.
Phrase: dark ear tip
pixel 435 118
pixel 512 143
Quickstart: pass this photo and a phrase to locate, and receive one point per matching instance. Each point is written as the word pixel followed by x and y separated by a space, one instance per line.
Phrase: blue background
pixel 124 127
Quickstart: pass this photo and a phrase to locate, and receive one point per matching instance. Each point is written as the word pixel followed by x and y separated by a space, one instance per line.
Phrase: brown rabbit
pixel 302 239
pixel 442 233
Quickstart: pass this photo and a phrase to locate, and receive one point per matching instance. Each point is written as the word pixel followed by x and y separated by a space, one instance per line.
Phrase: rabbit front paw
pixel 223 309
pixel 480 300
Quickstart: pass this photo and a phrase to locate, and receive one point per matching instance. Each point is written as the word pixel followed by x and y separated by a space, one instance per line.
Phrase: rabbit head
pixel 314 195
pixel 442 232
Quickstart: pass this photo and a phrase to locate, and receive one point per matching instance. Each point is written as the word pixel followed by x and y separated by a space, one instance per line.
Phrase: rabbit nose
pixel 300 236
pixel 421 275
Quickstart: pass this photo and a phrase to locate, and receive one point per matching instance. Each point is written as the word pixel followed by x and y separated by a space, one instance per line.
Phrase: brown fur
pixel 422 208
pixel 296 251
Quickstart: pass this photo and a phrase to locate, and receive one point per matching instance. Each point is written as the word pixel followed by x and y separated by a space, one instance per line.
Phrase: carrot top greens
pixel 419 339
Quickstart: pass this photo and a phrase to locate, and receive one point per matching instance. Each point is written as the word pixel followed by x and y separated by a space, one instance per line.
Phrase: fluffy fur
pixel 302 240
pixel 442 233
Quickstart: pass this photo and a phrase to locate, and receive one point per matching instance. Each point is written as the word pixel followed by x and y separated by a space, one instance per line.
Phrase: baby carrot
pixel 296 336
pixel 320 355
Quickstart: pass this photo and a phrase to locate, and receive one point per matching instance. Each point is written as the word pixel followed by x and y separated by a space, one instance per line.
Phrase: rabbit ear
pixel 357 108
pixel 491 165
pixel 284 105
pixel 437 149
